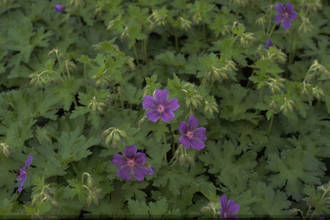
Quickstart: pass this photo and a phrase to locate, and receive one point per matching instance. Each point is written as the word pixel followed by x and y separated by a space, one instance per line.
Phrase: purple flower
pixel 59 8
pixel 228 210
pixel 132 163
pixel 285 15
pixel 269 43
pixel 159 106
pixel 193 136
pixel 23 173
pixel 320 218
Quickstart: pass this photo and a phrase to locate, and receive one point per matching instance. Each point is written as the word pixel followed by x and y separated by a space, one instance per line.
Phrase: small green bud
pixel 95 200
pixel 205 209
pixel 123 134
pixel 109 138
pixel 177 153
pixel 6 149
pixel 97 191
pixel 55 205
pixel 294 212
pixel 90 182
pixel 141 122
pixel 182 159
pixel 191 160
pixel 105 134
pixel 89 200
pixel 116 137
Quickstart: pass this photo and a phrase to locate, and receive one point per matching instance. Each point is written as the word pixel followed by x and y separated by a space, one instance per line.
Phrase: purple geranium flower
pixel 159 106
pixel 23 173
pixel 193 136
pixel 285 15
pixel 132 163
pixel 269 43
pixel 59 8
pixel 228 210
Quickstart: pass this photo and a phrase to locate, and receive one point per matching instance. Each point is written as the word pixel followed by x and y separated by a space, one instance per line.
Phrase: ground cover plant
pixel 162 109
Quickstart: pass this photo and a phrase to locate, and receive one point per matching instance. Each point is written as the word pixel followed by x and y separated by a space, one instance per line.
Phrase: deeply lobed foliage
pixel 73 81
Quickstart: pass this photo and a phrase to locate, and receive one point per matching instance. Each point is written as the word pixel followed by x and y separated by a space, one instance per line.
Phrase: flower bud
pixel 89 200
pixel 191 160
pixel 105 134
pixel 109 138
pixel 6 149
pixel 123 134
pixel 294 212
pixel 182 159
pixel 55 205
pixel 205 209
pixel 95 200
pixel 90 182
pixel 177 153
pixel 141 122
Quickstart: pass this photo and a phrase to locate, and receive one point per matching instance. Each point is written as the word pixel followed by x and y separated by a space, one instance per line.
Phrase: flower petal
pixel 172 105
pixel 139 172
pixel 269 42
pixel 286 23
pixel 29 161
pixel 279 8
pixel 192 123
pixel 223 203
pixel 200 134
pixel 124 173
pixel 130 151
pixel 22 175
pixel 149 103
pixel 232 208
pixel 289 7
pixel 153 115
pixel 183 127
pixel 278 18
pixel 22 181
pixel 118 160
pixel 140 158
pixel 197 144
pixel 161 96
pixel 185 141
pixel 293 15
pixel 151 170
pixel 167 116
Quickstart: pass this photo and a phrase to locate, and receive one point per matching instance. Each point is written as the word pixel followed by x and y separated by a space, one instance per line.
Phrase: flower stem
pixel 270 125
pixel 121 97
pixel 291 48
pixel 113 90
pixel 260 98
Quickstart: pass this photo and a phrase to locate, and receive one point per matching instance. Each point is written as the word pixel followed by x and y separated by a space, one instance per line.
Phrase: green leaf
pixel 273 203
pixel 74 147
pixel 292 169
pixel 158 209
pixel 138 209
pixel 134 190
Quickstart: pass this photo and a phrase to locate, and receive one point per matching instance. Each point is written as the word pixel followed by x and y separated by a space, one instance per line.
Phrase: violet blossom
pixel 132 163
pixel 193 136
pixel 285 15
pixel 159 106
pixel 23 173
pixel 59 8
pixel 228 209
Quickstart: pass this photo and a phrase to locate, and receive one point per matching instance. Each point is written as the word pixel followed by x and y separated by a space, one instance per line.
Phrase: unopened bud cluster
pixel 113 136
pixel 310 6
pixel 184 158
pixel 275 85
pixel 213 208
pixel 287 106
pixel 93 191
pixel 95 105
pixel 46 194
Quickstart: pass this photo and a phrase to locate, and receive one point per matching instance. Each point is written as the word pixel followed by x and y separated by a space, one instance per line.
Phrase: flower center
pixel 160 108
pixel 190 134
pixel 286 14
pixel 131 163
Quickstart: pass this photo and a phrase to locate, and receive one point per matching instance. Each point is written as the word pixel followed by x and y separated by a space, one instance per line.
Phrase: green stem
pixel 74 167
pixel 272 30
pixel 74 100
pixel 59 76
pixel 309 208
pixel 135 54
pixel 164 138
pixel 176 41
pixel 176 159
pixel 145 49
pixel 269 20
pixel 67 69
pixel 270 125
